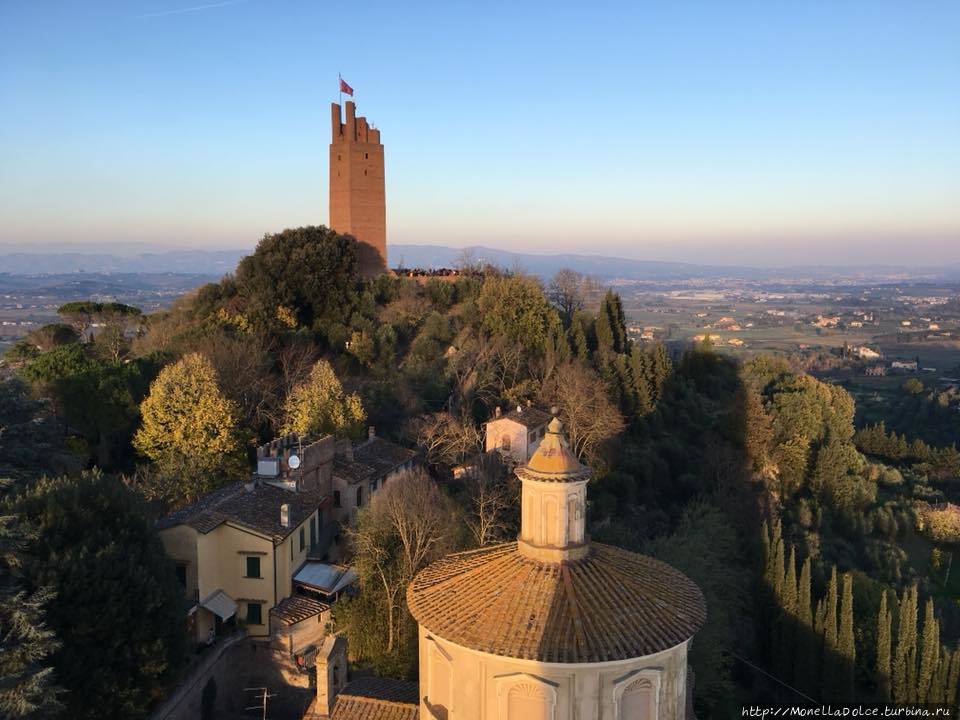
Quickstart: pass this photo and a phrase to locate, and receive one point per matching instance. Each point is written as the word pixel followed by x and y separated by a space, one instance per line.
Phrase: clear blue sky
pixel 717 130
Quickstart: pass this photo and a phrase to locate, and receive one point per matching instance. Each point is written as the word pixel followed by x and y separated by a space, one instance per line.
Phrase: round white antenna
pixel 294 462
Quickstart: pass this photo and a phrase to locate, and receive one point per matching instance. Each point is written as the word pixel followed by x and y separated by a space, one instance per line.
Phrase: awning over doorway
pixel 220 604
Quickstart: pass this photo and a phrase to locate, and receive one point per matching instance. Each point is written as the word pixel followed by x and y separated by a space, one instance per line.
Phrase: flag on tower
pixel 344 88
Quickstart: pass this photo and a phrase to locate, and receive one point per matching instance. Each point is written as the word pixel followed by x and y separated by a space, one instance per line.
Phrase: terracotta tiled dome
pixel 611 605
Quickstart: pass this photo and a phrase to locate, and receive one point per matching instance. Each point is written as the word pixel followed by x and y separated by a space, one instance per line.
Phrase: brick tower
pixel 357 199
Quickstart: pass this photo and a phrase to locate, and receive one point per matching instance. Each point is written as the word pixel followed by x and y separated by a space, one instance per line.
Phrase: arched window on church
pixel 526 701
pixel 637 701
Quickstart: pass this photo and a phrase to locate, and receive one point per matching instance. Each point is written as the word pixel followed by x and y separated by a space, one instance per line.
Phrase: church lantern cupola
pixel 553 503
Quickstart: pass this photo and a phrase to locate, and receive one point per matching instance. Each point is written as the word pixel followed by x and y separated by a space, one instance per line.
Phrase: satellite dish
pixel 294 462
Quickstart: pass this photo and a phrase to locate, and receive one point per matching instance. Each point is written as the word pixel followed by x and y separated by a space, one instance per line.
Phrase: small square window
pixel 253 566
pixel 254 614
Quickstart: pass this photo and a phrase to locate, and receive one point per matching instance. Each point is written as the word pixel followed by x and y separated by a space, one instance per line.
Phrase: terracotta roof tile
pixel 297 608
pixel 373 698
pixel 612 605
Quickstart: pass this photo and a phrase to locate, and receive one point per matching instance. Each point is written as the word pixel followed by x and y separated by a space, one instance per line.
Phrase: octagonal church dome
pixel 565 613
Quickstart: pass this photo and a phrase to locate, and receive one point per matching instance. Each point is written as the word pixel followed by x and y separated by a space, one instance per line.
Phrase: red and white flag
pixel 344 88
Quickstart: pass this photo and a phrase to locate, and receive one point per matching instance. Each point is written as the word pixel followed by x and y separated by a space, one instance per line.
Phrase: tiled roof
pixel 297 608
pixel 372 698
pixel 529 417
pixel 611 605
pixel 372 458
pixel 257 509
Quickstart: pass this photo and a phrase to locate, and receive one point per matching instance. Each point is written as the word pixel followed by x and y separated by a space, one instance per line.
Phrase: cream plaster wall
pixel 461 684
pixel 521 447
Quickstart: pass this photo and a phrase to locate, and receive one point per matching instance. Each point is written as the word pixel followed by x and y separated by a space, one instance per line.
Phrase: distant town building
pixel 905 323
pixel 876 370
pixel 823 321
pixel 357 190
pixel 904 365
pixel 517 434
pixel 864 353
pixel 736 342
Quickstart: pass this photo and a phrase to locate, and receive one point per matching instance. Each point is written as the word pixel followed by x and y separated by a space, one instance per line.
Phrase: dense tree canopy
pixel 189 428
pixel 117 607
pixel 321 406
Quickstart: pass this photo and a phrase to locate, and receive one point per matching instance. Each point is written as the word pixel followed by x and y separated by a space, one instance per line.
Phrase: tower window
pixel 366 156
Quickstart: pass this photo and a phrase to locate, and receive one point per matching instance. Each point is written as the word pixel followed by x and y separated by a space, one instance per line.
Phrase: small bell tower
pixel 553 503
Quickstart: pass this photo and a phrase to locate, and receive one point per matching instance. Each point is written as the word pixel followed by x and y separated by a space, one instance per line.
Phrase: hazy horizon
pixel 741 134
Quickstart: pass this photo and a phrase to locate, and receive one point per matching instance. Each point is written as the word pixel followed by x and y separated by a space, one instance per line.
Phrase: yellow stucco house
pixel 238 549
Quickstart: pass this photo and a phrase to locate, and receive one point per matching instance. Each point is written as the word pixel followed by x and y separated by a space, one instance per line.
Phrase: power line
pixel 775 679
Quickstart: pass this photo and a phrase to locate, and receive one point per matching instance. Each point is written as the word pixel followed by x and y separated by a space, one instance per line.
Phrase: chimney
pixel 285 515
pixel 371 432
pixel 496 411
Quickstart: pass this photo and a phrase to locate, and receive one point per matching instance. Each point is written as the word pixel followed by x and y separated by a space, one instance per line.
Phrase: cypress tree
pixel 776 571
pixel 805 660
pixel 884 621
pixel 953 677
pixel 845 643
pixel 638 368
pixel 618 322
pixel 788 618
pixel 830 650
pixel 929 653
pixel 604 330
pixel 905 655
pixel 578 339
pixel 661 369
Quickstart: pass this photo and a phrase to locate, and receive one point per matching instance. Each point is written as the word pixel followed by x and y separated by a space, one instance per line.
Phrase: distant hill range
pixel 216 263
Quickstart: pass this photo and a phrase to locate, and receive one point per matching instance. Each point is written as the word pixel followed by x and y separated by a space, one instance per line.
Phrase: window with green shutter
pixel 253 566
pixel 254 614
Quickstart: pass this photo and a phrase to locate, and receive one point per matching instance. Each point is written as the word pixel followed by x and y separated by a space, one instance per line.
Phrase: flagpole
pixel 340 87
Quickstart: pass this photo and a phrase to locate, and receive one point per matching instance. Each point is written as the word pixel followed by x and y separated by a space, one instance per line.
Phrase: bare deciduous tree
pixel 492 502
pixel 589 417
pixel 408 524
pixel 447 439
pixel 570 292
